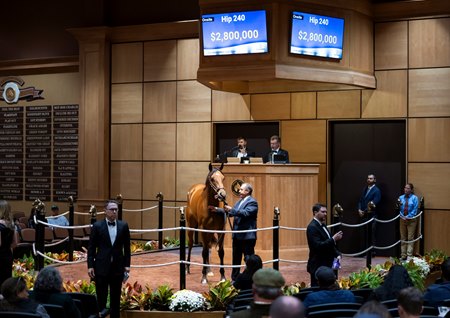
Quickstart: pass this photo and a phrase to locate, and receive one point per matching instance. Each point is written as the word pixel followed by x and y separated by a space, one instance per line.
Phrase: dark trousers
pixel 241 248
pixel 114 282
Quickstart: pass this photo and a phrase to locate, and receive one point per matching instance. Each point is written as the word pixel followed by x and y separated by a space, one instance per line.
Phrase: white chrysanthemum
pixel 422 264
pixel 187 300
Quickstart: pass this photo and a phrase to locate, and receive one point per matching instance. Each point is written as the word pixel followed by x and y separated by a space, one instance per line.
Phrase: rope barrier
pixel 56 243
pixel 292 228
pixel 59 261
pixel 56 216
pixel 292 261
pixel 63 226
pixel 140 210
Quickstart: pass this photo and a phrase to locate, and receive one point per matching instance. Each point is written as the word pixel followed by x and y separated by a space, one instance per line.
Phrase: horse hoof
pixel 210 274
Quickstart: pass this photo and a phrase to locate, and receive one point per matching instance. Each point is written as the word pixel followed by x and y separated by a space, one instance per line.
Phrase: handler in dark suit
pixel 109 257
pixel 322 246
pixel 244 212
pixel 275 149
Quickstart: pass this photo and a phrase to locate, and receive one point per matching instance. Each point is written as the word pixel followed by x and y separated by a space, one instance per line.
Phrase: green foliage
pixel 365 279
pixel 160 299
pixel 170 242
pixel 220 295
pixel 293 289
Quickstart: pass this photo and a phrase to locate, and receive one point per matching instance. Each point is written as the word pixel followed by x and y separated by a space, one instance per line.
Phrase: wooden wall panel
pixel 159 141
pixel 303 105
pixel 126 103
pixel 428 139
pixel 126 142
pixel 126 179
pixel 160 102
pixel 270 106
pixel 323 185
pixel 193 101
pixel 188 174
pixel 134 219
pixel 194 141
pixel 429 43
pixel 391 45
pixel 429 93
pixel 160 60
pixel 230 106
pixel 340 104
pixel 187 59
pixel 150 220
pixel 436 236
pixel 431 181
pixel 306 140
pixel 126 63
pixel 360 43
pixel 390 97
pixel 159 177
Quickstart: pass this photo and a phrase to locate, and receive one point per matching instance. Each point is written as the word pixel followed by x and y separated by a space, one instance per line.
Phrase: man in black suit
pixel 275 149
pixel 322 246
pixel 109 257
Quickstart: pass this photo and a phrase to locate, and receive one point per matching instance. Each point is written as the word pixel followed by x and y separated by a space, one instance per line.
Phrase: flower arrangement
pixel 423 267
pixel 187 300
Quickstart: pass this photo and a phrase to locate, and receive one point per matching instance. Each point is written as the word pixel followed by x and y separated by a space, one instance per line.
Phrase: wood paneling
pixel 193 101
pixel 188 174
pixel 159 177
pixel 429 43
pixel 159 141
pixel 391 45
pixel 134 219
pixel 126 179
pixel 160 60
pixel 160 102
pixel 437 223
pixel 431 181
pixel 126 64
pixel 270 106
pixel 187 59
pixel 429 93
pixel 126 142
pixel 194 141
pixel 428 140
pixel 323 185
pixel 150 219
pixel 390 97
pixel 303 105
pixel 360 43
pixel 230 106
pixel 344 104
pixel 306 140
pixel 126 103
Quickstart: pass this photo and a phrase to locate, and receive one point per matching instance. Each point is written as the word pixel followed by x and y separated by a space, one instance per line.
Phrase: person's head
pixel 245 190
pixel 253 263
pixel 48 279
pixel 373 309
pixel 408 189
pixel 396 279
pixel 275 142
pixel 14 288
pixel 320 212
pixel 241 142
pixel 326 277
pixel 445 267
pixel 267 284
pixel 371 179
pixel 111 209
pixel 55 209
pixel 5 213
pixel 287 307
pixel 410 302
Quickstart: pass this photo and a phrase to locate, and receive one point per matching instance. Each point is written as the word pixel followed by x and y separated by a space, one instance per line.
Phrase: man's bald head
pixel 287 307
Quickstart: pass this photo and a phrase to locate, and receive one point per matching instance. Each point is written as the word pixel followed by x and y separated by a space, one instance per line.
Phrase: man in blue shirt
pixel 57 219
pixel 409 204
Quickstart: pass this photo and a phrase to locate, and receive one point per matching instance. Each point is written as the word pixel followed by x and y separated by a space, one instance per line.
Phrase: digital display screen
pixel 316 35
pixel 234 33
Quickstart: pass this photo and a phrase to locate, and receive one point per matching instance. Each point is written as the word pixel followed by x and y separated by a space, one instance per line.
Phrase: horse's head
pixel 215 181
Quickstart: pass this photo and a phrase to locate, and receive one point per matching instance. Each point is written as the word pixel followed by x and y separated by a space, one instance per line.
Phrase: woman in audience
pixel 244 280
pixel 48 290
pixel 8 240
pixel 15 298
pixel 396 279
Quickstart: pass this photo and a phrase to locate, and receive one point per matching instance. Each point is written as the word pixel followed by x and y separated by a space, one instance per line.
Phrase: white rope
pixel 414 217
pixel 155 265
pixel 359 253
pixel 292 261
pixel 64 226
pixel 387 221
pixel 57 243
pixel 56 216
pixel 351 225
pixel 212 265
pixel 155 230
pixel 292 228
pixel 174 207
pixel 60 262
pixel 383 247
pixel 87 213
pixel 140 210
pixel 230 231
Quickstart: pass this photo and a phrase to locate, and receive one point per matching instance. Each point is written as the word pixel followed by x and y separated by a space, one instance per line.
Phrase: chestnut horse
pixel 199 197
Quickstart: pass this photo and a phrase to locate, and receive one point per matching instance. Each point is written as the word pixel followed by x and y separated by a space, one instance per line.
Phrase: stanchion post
pixel 93 213
pixel 119 206
pixel 422 226
pixel 369 243
pixel 160 198
pixel 71 222
pixel 182 249
pixel 40 233
pixel 276 238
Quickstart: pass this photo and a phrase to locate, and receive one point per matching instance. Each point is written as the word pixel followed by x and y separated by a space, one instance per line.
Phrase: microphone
pixel 235 148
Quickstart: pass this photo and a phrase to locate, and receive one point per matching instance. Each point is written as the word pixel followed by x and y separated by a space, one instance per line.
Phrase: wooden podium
pixel 293 188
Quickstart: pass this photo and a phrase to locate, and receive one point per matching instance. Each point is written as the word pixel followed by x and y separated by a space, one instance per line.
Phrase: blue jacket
pixel 329 296
pixel 373 195
pixel 436 293
pixel 244 218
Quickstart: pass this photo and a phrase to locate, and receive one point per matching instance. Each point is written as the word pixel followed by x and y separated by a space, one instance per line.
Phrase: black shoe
pixel 104 313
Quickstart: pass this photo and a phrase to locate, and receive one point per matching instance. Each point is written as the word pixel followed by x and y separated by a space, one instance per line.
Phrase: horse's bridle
pixel 216 188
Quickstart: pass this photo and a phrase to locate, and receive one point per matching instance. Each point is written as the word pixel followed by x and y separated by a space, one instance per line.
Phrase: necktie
pixel 405 209
pixel 112 223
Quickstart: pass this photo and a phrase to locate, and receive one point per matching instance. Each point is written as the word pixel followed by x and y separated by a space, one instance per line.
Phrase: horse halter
pixel 216 189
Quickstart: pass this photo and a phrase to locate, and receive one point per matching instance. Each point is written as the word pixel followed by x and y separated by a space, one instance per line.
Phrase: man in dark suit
pixel 244 214
pixel 241 149
pixel 275 149
pixel 322 246
pixel 109 257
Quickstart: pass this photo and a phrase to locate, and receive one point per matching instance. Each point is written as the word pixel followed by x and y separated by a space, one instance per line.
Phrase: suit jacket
pixel 102 255
pixel 281 152
pixel 235 152
pixel 322 249
pixel 244 218
pixel 373 195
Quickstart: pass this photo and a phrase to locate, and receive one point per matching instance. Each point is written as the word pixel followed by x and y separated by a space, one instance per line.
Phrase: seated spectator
pixel 244 280
pixel 15 298
pixel 48 290
pixel 410 303
pixel 31 223
pixel 267 284
pixel 329 291
pixel 287 307
pixel 57 219
pixel 396 279
pixel 440 291
pixel 373 309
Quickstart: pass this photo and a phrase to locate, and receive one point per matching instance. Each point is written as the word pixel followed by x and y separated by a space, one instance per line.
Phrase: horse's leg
pixel 221 253
pixel 190 243
pixel 205 256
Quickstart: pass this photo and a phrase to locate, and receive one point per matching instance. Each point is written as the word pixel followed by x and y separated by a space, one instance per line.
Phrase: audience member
pixel 329 291
pixel 439 292
pixel 48 290
pixel 8 240
pixel 287 307
pixel 267 284
pixel 245 279
pixel 15 298
pixel 31 223
pixel 396 279
pixel 57 219
pixel 410 301
pixel 373 309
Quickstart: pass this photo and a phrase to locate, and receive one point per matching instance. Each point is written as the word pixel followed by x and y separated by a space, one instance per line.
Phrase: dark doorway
pixel 358 149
